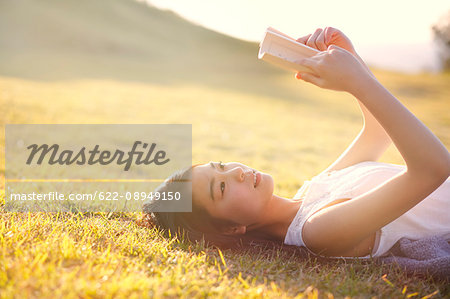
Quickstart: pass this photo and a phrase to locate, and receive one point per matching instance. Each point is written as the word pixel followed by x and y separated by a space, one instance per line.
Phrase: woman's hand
pixel 322 39
pixel 335 69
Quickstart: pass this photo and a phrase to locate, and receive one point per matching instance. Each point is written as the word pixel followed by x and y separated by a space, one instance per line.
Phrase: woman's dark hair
pixel 199 225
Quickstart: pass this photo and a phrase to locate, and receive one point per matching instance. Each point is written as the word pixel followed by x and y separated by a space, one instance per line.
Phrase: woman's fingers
pixel 321 38
pixel 310 78
pixel 320 41
pixel 312 39
pixel 303 39
pixel 317 40
pixel 328 33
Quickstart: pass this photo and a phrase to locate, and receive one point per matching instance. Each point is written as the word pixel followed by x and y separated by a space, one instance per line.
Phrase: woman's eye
pixel 222 184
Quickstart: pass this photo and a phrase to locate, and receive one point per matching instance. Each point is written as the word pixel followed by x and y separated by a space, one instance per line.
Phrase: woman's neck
pixel 277 217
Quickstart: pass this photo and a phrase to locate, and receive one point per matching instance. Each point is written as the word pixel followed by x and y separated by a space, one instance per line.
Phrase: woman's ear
pixel 235 230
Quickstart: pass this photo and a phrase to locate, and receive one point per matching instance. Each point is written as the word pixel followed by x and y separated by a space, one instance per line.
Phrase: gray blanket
pixel 425 256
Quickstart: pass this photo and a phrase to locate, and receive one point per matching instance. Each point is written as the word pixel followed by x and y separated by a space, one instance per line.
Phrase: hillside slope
pixel 123 40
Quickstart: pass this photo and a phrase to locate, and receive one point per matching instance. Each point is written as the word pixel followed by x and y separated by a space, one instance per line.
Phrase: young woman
pixel 357 207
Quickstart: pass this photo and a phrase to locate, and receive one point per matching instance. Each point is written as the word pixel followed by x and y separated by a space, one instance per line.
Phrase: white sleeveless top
pixel 429 217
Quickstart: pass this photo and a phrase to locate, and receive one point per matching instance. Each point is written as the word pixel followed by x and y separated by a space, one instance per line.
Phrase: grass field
pixel 120 62
pixel 98 256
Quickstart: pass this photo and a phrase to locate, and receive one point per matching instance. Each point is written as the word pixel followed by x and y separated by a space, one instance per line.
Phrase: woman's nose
pixel 239 174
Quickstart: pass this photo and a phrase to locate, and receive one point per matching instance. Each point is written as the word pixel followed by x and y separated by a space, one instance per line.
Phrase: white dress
pixel 429 217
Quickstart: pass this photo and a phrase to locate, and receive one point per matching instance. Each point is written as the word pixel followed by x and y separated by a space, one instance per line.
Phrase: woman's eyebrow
pixel 212 182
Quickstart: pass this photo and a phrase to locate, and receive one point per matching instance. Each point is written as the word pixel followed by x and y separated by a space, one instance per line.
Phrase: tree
pixel 441 32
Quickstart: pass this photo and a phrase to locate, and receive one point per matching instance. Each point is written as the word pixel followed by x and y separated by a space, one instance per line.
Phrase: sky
pixel 394 34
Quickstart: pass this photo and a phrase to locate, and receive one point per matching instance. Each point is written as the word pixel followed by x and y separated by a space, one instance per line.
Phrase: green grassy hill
pixel 123 40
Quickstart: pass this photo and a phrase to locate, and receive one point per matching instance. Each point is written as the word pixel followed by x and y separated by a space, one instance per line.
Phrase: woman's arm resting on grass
pixel 338 228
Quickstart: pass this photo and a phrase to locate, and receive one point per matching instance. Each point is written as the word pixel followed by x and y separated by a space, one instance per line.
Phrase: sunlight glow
pixel 382 24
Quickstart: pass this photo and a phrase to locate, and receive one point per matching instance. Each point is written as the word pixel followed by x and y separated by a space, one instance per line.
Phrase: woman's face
pixel 228 191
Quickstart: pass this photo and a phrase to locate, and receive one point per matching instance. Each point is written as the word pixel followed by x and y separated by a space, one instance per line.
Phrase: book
pixel 282 50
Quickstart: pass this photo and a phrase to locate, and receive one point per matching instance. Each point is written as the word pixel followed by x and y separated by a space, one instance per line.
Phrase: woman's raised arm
pixel 369 145
pixel 336 229
pixel 372 141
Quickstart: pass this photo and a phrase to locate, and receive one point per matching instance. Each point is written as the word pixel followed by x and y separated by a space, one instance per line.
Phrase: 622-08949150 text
pixel 104 196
